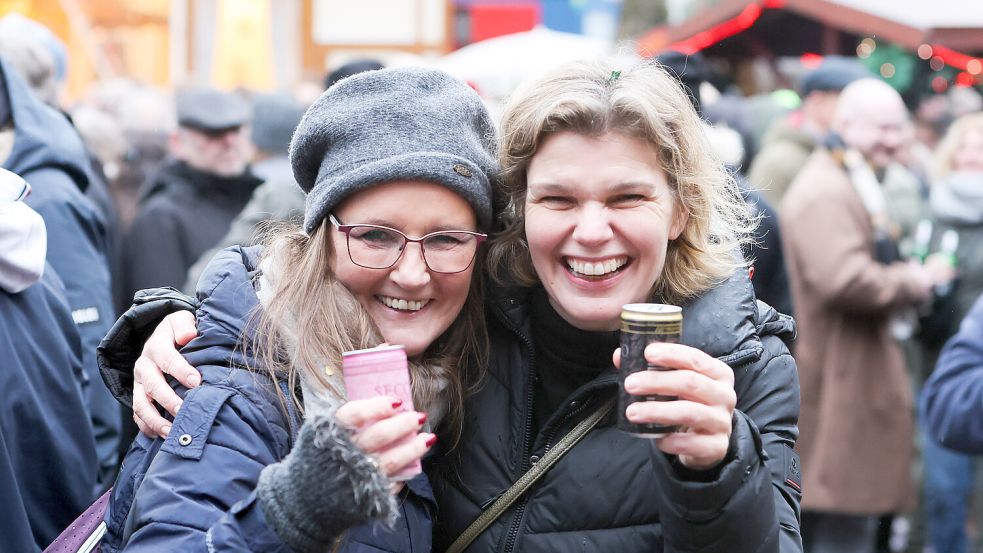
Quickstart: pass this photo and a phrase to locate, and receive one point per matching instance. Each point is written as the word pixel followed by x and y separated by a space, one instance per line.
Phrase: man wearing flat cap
pixel 790 140
pixel 187 206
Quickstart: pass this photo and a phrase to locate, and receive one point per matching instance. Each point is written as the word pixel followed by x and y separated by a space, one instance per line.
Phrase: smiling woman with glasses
pixel 274 321
pixel 379 247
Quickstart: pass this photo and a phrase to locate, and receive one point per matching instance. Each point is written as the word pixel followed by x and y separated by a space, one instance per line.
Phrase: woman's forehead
pixel 408 205
pixel 611 161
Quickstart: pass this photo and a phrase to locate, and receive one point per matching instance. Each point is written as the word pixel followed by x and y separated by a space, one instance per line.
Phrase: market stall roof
pixel 733 28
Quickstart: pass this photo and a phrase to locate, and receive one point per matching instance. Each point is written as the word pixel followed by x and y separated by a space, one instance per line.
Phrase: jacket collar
pixel 725 322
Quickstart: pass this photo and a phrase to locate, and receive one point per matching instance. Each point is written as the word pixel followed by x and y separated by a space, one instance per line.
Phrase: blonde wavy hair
pixel 311 319
pixel 644 102
pixel 946 150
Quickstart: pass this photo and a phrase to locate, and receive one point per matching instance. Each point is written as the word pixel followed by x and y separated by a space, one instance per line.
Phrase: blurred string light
pixel 893 63
pixel 954 58
pixel 965 79
pixel 936 63
pixel 714 35
pixel 811 60
pixel 866 48
pixel 940 84
pixel 925 51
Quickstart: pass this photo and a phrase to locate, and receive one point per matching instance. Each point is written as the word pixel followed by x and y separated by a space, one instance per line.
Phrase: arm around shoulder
pixel 123 344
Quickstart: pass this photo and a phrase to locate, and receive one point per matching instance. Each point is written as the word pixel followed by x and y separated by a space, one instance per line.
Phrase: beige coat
pixel 857 417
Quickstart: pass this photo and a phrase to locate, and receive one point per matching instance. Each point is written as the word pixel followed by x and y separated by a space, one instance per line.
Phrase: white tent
pixel 497 65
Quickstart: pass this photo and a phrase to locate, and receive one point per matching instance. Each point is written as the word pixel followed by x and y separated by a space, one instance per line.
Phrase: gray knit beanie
pixel 394 124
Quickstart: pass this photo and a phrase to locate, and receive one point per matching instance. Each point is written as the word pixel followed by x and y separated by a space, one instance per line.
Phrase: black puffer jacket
pixel 614 492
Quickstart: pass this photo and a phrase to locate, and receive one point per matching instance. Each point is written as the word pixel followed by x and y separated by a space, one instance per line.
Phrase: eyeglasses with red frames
pixel 378 247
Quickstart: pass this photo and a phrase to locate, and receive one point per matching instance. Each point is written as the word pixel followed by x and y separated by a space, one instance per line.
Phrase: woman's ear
pixel 680 216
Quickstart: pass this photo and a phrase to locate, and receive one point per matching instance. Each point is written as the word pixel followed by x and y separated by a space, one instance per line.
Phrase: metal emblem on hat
pixel 462 170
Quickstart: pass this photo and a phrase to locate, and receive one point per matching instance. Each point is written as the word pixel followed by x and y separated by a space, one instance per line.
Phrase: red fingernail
pixel 397 403
pixel 431 440
pixel 423 418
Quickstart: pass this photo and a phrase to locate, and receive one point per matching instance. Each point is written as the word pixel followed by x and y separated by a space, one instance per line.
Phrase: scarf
pixel 958 198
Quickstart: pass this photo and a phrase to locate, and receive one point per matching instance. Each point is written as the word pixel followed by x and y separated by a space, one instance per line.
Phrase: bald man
pixel 789 141
pixel 848 284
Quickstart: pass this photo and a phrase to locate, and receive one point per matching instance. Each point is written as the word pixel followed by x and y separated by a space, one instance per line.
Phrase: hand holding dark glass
pixel 379 247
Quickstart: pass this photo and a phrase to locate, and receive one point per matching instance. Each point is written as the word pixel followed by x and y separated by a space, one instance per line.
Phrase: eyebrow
pixel 554 188
pixel 389 224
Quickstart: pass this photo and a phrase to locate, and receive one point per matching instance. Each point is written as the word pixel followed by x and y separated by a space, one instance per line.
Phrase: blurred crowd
pixel 139 187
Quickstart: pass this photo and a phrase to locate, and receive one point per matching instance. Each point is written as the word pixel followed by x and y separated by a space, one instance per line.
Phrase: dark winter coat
pixel 951 398
pixel 770 277
pixel 48 154
pixel 615 492
pixel 196 490
pixel 183 213
pixel 47 448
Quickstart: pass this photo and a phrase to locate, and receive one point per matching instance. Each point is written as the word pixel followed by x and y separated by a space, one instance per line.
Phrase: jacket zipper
pixel 520 510
pixel 527 431
pixel 549 439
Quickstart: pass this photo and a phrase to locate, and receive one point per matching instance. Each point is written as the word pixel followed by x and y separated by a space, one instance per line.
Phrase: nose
pixel 592 226
pixel 229 139
pixel 411 271
pixel 892 138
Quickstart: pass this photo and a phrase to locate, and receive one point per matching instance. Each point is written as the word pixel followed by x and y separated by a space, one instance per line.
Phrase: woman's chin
pixel 593 317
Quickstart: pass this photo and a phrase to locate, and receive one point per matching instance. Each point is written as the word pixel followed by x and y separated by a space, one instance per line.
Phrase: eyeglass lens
pixel 379 248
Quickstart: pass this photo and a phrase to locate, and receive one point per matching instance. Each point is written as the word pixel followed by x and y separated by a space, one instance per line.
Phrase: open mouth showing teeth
pixel 596 270
pixel 403 305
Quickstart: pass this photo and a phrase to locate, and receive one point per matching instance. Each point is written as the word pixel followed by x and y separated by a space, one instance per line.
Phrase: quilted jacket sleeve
pixel 952 398
pixel 751 502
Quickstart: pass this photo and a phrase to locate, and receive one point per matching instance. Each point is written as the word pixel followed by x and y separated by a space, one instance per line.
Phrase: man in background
pixel 789 141
pixel 188 204
pixel 840 230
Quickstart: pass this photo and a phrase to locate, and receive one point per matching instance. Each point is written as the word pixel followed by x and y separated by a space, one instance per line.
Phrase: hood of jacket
pixel 23 237
pixel 227 300
pixel 43 137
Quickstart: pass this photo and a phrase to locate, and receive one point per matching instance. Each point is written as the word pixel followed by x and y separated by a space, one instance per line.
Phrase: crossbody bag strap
pixel 526 481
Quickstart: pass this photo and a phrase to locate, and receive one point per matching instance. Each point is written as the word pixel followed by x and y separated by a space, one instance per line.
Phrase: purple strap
pixel 85 533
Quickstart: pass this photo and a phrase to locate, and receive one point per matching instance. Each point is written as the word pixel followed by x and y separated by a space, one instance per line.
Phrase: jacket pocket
pixel 194 421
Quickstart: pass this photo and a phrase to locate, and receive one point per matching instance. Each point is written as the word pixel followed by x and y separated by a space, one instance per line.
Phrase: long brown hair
pixel 311 319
